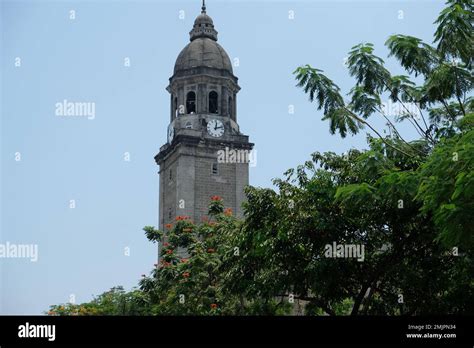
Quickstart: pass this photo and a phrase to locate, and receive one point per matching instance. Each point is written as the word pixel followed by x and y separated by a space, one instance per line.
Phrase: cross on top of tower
pixel 203 8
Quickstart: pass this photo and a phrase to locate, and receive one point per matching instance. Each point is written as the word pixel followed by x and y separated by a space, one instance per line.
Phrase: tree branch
pixel 447 109
pixel 461 105
pixel 398 133
pixel 378 134
pixel 424 133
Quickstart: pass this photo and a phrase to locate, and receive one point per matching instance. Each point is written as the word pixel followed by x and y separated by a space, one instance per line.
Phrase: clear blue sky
pixel 81 250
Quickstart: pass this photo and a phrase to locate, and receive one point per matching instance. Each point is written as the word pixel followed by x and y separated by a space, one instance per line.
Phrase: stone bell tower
pixel 206 154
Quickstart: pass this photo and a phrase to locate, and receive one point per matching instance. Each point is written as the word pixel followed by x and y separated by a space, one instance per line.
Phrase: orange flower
pixel 184 260
pixel 210 250
pixel 165 244
pixel 216 198
pixel 168 226
pixel 182 218
pixel 186 274
pixel 213 305
pixel 228 211
pixel 169 251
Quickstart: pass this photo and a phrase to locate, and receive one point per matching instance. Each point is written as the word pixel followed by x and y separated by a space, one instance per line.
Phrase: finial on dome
pixel 203 8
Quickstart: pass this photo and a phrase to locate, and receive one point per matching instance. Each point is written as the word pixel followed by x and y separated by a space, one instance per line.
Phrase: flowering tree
pixel 189 278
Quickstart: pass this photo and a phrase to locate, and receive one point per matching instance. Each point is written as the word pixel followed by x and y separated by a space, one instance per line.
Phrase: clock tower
pixel 206 154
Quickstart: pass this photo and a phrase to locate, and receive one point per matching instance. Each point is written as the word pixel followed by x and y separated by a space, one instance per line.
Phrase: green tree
pixel 442 100
pixel 447 186
pixel 362 198
pixel 116 301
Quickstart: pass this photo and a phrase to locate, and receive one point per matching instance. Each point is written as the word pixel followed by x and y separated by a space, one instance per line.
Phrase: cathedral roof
pixel 203 50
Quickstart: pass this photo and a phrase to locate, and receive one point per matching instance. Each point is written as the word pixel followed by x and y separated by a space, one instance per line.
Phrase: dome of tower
pixel 203 50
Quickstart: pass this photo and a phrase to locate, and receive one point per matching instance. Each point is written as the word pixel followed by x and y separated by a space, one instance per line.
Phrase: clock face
pixel 215 128
pixel 170 133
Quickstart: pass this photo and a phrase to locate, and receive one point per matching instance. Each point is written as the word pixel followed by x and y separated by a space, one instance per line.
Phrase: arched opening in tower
pixel 191 103
pixel 230 106
pixel 213 102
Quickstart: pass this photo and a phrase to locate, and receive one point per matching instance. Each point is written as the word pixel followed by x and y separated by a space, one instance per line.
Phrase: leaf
pixel 454 33
pixel 412 53
pixel 326 94
pixel 363 102
pixel 447 81
pixel 368 69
